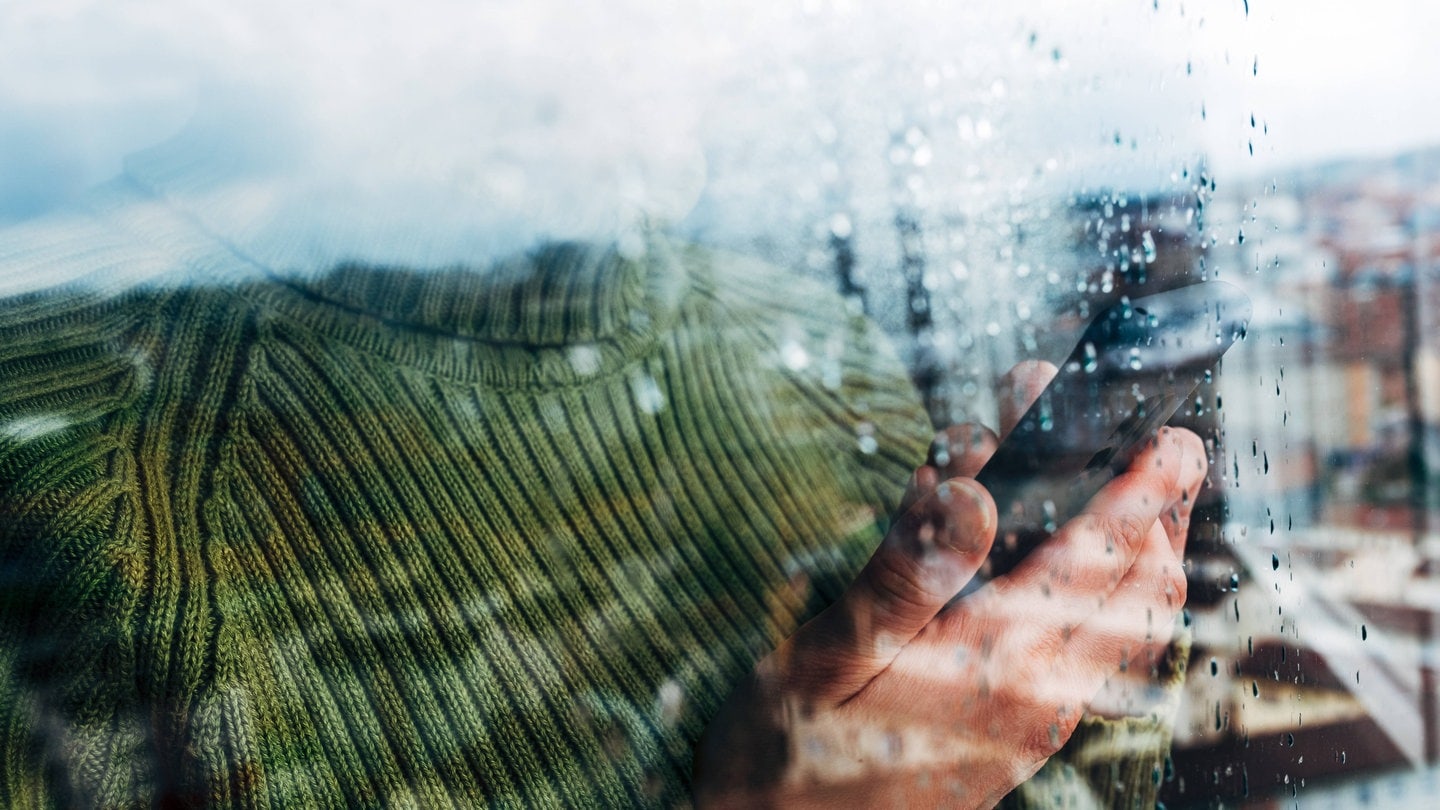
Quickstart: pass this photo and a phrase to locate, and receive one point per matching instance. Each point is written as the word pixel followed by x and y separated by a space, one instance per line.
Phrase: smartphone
pixel 1137 363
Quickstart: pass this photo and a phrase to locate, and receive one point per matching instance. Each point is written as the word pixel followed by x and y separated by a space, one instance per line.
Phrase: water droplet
pixel 34 426
pixel 1214 667
pixel 648 396
pixel 1274 562
pixel 1091 363
pixel 584 359
pixel 794 356
pixel 670 699
pixel 1364 634
pixel 1135 362
pixel 865 438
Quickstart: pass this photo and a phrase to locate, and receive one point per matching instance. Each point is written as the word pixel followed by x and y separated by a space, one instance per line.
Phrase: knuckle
pixel 899 583
pixel 1124 531
pixel 1045 734
pixel 1173 586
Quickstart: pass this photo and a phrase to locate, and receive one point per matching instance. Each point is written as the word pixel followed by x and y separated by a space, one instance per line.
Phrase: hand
pixel 897 696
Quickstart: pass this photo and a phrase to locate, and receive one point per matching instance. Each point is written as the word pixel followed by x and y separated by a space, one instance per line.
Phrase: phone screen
pixel 1137 363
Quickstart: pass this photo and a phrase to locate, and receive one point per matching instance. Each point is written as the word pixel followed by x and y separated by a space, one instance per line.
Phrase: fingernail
pixel 968 515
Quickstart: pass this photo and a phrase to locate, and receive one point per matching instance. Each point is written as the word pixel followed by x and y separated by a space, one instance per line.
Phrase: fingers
pixel 1105 589
pixel 1139 617
pixel 1141 610
pixel 958 451
pixel 1019 388
pixel 1137 621
pixel 961 450
pixel 928 556
pixel 1194 466
pixel 1076 569
pixel 922 484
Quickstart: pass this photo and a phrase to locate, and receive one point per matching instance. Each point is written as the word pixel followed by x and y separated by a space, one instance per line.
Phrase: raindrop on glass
pixel 648 396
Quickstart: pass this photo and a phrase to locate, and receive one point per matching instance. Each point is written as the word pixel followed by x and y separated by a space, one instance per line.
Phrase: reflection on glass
pixel 433 255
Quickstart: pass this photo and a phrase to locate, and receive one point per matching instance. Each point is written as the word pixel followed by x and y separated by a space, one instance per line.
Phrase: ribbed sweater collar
pixel 556 315
pixel 561 316
pixel 558 295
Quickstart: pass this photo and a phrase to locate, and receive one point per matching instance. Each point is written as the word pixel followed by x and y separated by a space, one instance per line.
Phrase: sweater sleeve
pixel 1118 763
pixel 73 731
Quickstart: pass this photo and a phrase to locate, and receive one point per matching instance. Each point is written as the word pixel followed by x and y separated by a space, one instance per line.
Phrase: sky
pixel 1330 77
pixel 536 104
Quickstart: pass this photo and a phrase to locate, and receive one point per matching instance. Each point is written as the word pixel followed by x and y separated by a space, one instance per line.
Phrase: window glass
pixel 401 397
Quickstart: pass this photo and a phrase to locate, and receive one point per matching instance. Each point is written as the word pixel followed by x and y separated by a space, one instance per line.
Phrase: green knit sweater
pixel 422 540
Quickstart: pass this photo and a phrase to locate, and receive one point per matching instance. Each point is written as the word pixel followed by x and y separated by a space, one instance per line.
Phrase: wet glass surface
pixel 445 404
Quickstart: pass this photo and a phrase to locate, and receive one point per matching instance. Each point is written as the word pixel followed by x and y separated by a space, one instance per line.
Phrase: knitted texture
pixel 384 539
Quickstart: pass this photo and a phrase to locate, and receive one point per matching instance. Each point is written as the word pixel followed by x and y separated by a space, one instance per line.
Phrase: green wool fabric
pixel 393 539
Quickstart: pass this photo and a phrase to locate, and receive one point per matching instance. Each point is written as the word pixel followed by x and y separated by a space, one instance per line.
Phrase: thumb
pixel 927 558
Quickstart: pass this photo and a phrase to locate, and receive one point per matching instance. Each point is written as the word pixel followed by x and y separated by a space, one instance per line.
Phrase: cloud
pixel 576 115
pixel 425 132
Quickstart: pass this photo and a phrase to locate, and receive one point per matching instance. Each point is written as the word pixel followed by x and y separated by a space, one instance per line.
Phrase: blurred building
pixel 1318 664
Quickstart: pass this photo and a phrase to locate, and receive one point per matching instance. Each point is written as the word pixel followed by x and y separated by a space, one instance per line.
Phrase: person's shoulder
pixel 809 329
pixel 842 373
pixel 752 285
pixel 85 304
